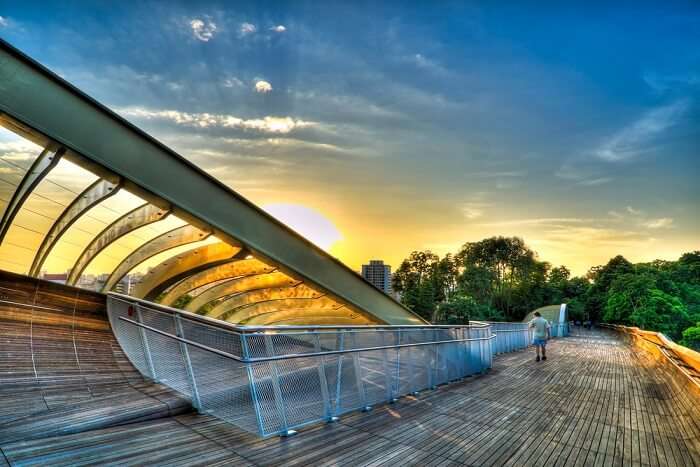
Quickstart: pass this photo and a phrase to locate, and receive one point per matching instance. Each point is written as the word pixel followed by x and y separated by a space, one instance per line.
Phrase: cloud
pixel 279 28
pixel 262 87
pixel 661 223
pixel 232 82
pixel 247 28
pixel 268 124
pixel 473 210
pixel 552 221
pixel 638 137
pixel 634 212
pixel 595 181
pixel 203 30
pixel 3 21
pixel 663 83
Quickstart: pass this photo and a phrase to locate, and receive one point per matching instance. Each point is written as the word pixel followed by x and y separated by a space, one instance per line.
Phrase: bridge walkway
pixel 595 401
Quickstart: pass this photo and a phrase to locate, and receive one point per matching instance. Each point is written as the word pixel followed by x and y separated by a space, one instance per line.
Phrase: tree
pixel 602 277
pixel 417 281
pixel 691 337
pixel 503 267
pixel 638 300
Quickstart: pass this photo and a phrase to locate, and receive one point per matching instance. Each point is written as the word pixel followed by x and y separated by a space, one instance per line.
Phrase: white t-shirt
pixel 541 325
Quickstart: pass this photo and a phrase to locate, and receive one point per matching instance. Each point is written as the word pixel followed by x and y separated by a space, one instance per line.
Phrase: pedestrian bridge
pixel 272 335
pixel 70 395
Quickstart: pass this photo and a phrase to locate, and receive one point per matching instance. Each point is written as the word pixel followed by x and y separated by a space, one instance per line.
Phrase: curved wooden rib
pixel 276 305
pixel 178 267
pixel 308 316
pixel 169 240
pixel 90 197
pixel 243 267
pixel 132 220
pixel 262 295
pixel 232 288
pixel 43 164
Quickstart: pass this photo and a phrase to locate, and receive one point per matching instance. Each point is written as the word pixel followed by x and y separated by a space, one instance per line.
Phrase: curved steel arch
pixel 132 220
pixel 268 293
pixel 178 267
pixel 231 289
pixel 237 268
pixel 167 241
pixel 307 316
pixel 276 305
pixel 43 164
pixel 90 197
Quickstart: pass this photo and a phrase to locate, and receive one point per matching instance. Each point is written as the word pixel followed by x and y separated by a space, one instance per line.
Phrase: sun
pixel 308 222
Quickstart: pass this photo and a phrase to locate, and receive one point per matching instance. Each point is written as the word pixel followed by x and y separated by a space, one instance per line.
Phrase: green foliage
pixel 691 337
pixel 500 278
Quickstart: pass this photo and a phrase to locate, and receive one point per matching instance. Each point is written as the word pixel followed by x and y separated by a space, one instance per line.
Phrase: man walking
pixel 542 333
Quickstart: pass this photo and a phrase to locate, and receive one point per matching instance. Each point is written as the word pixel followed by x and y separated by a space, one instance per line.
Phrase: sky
pixel 379 128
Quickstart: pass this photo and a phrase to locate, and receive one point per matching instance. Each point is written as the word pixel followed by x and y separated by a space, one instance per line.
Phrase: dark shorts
pixel 539 342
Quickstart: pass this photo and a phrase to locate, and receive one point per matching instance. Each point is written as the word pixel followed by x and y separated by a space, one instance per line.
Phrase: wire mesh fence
pixel 510 336
pixel 273 380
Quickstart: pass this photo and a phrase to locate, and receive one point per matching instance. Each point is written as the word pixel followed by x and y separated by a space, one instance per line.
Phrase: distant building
pixel 378 274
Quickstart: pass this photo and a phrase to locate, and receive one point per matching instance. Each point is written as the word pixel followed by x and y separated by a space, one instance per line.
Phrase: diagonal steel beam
pixel 177 268
pixel 239 268
pixel 230 289
pixel 132 220
pixel 177 237
pixel 46 161
pixel 90 197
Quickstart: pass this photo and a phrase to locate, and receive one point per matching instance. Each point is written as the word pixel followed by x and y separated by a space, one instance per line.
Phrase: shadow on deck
pixel 69 397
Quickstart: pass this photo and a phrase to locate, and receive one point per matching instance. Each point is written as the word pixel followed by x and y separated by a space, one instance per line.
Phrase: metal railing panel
pixel 272 380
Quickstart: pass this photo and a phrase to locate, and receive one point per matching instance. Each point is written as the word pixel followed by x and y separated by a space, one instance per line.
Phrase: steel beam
pixel 43 164
pixel 29 91
pixel 174 269
pixel 177 237
pixel 236 268
pixel 90 197
pixel 132 220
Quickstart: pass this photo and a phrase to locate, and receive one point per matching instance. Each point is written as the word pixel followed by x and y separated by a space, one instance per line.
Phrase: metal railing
pixel 273 380
pixel 510 336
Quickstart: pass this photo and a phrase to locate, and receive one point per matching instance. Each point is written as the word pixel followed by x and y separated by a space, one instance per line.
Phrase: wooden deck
pixel 68 396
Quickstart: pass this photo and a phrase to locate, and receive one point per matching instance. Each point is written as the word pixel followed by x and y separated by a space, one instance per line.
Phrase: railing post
pixel 251 382
pixel 339 376
pixel 146 347
pixel 387 371
pixel 432 371
pixel 276 388
pixel 196 402
pixel 398 365
pixel 358 374
pixel 323 381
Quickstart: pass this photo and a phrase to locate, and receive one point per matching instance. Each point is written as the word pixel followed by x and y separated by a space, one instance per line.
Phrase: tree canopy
pixel 501 278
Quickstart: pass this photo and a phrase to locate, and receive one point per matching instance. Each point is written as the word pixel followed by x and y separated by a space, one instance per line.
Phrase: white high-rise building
pixel 378 274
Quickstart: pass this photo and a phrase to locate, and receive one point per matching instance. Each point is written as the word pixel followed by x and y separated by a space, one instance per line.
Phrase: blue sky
pixel 410 125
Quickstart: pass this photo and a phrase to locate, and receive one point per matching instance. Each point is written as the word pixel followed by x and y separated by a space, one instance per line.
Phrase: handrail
pixel 296 355
pixel 688 356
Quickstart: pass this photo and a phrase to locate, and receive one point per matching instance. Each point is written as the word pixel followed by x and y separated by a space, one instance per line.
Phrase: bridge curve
pixel 601 398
